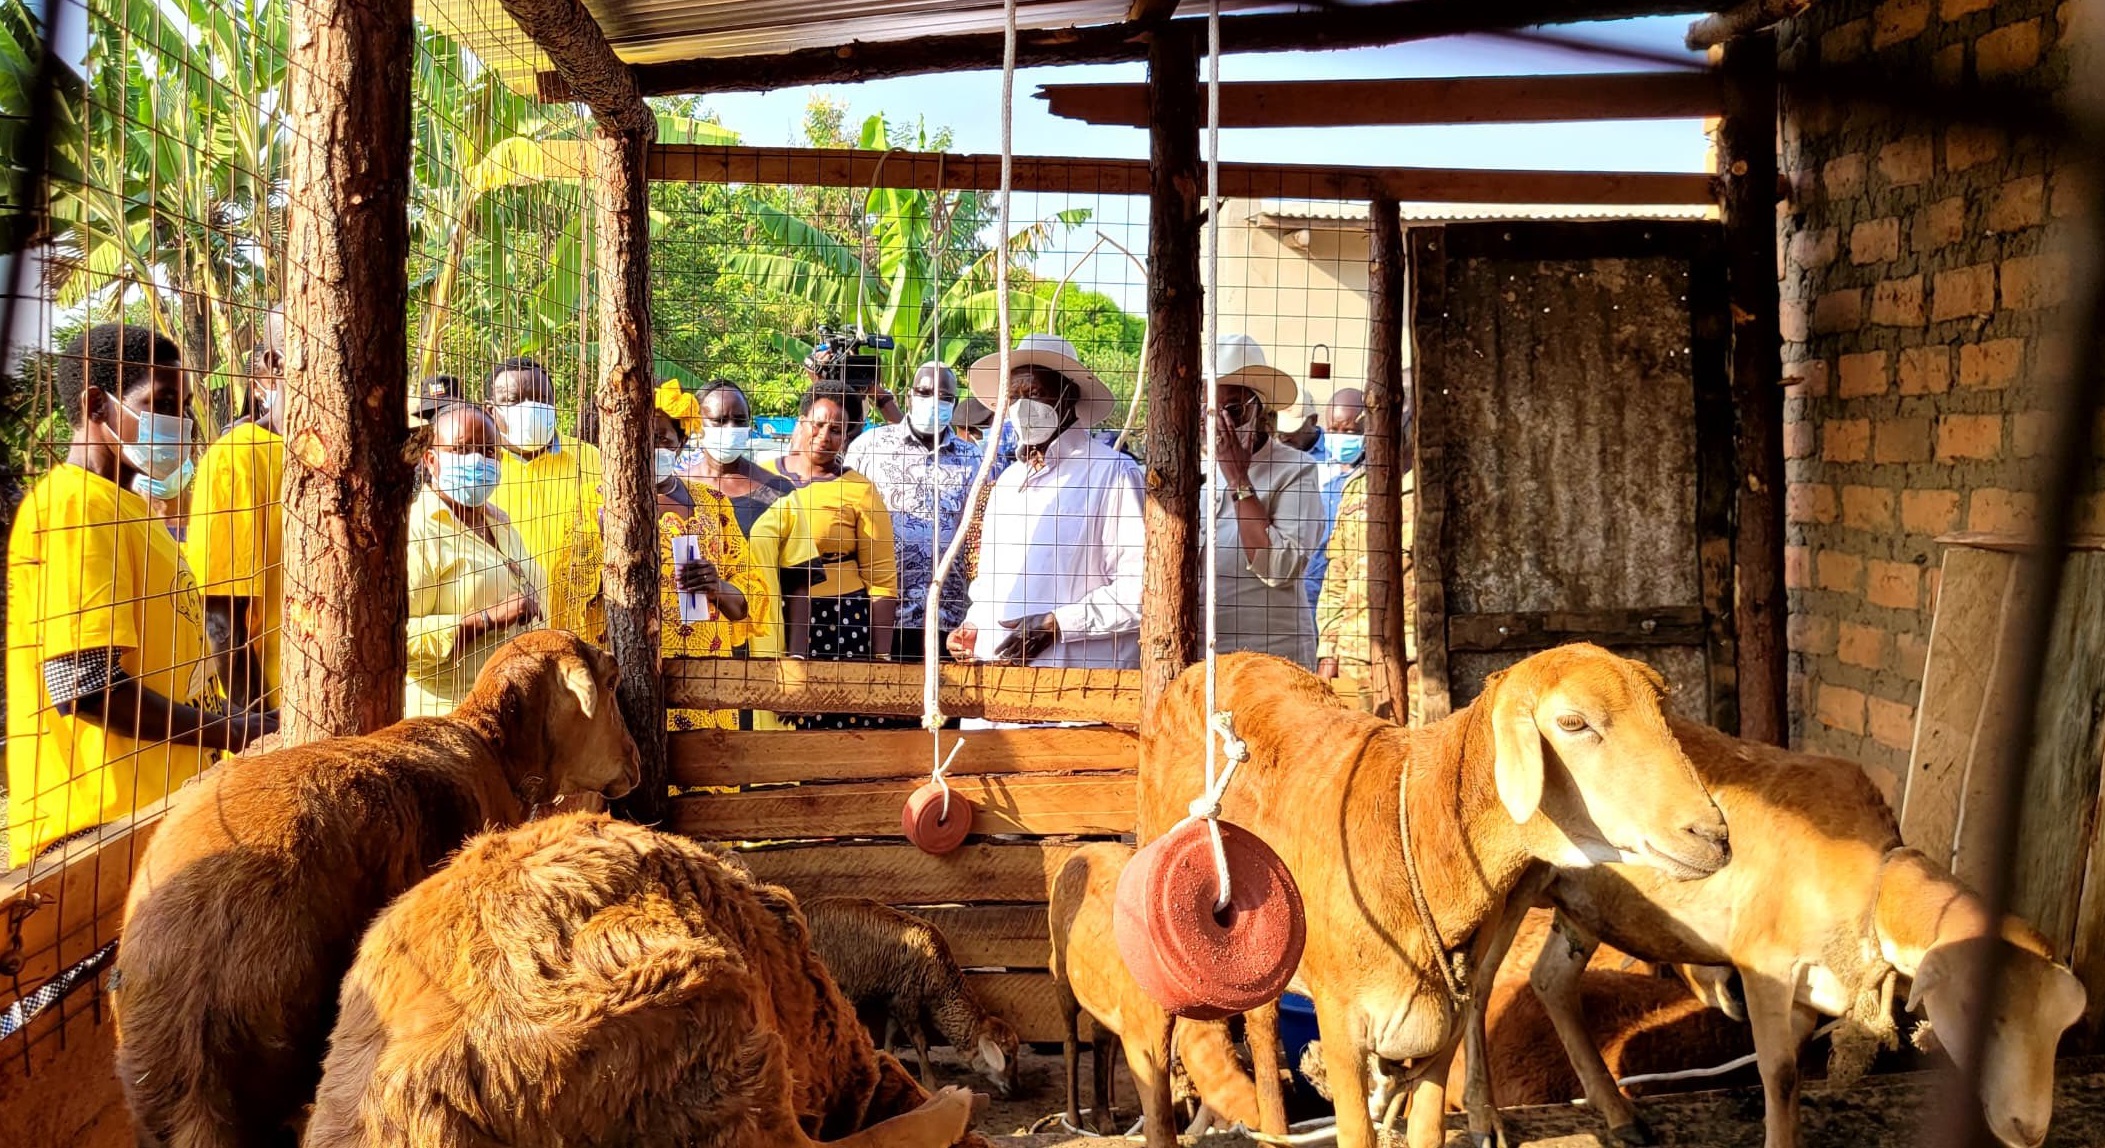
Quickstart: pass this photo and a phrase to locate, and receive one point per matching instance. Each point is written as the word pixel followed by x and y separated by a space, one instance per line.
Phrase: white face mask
pixel 159 445
pixel 664 463
pixel 1036 423
pixel 926 413
pixel 528 426
pixel 726 444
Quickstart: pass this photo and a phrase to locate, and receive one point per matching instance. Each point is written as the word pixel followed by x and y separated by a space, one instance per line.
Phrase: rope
pixel 1732 1065
pixel 1457 992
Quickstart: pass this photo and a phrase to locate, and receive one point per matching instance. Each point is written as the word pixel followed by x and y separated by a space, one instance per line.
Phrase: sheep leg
pixel 1426 1124
pixel 1345 1068
pixel 1556 983
pixel 919 1036
pixel 1147 1057
pixel 1486 1128
pixel 1780 1025
pixel 1101 1060
pixel 1071 1054
pixel 1261 1029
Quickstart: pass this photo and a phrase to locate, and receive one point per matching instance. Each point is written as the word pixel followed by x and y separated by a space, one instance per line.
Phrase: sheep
pixel 1090 976
pixel 1820 912
pixel 581 981
pixel 896 969
pixel 246 908
pixel 1565 758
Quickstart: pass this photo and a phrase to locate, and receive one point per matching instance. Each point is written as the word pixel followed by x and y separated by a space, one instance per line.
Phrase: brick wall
pixel 1918 287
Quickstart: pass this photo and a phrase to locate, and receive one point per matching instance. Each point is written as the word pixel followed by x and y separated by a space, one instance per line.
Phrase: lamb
pixel 581 981
pixel 1565 758
pixel 1092 977
pixel 897 970
pixel 1821 911
pixel 246 909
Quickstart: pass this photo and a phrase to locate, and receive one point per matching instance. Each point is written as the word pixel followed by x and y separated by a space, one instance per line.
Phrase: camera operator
pixel 839 357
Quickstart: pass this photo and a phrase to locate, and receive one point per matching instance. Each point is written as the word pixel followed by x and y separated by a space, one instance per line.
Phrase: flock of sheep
pixel 374 941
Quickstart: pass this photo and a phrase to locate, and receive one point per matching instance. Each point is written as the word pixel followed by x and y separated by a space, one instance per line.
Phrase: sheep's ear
pixel 1928 978
pixel 579 679
pixel 990 1051
pixel 1517 743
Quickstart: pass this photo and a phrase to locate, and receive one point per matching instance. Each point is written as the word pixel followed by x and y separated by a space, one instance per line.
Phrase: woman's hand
pixel 961 642
pixel 697 577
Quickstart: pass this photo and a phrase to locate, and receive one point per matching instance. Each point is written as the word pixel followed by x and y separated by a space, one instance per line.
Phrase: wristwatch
pixel 1241 492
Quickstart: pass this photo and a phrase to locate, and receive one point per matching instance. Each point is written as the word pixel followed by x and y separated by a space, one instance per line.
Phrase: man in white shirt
pixel 1062 546
pixel 1270 515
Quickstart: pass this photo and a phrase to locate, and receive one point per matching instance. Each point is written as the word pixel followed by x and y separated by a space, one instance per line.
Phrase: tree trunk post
pixel 1385 447
pixel 1747 165
pixel 347 468
pixel 1169 603
pixel 630 577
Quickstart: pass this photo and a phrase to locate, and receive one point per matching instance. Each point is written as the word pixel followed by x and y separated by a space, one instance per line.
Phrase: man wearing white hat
pixel 1270 512
pixel 1061 560
pixel 1297 427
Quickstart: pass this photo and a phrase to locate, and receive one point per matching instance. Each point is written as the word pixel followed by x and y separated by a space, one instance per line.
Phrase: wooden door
pixel 1574 452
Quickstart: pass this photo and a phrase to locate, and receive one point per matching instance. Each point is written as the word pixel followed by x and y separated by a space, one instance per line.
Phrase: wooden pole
pixel 630 577
pixel 587 69
pixel 1437 100
pixel 1169 604
pixel 1385 446
pixel 1747 165
pixel 347 478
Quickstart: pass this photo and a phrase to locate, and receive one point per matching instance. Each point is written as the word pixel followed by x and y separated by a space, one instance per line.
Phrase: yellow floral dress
pixel 724 544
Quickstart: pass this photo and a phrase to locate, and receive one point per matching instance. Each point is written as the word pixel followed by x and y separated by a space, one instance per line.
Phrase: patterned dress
pixel 723 543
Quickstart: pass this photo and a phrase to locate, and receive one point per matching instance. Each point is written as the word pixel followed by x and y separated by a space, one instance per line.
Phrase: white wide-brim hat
pixel 1239 362
pixel 1051 351
pixel 1303 411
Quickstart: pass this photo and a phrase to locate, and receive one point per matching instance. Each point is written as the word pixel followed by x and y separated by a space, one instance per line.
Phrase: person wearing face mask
pixel 473 584
pixel 550 488
pixel 724 574
pixel 1060 569
pixel 113 697
pixel 1343 447
pixel 235 543
pixel 923 472
pixel 1344 617
pixel 1270 512
pixel 718 455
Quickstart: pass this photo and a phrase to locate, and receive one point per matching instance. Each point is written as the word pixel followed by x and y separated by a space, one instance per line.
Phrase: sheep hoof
pixel 1496 1138
pixel 1637 1134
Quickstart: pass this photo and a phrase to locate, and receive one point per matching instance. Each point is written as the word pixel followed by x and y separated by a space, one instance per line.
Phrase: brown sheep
pixel 1092 978
pixel 898 972
pixel 247 907
pixel 581 981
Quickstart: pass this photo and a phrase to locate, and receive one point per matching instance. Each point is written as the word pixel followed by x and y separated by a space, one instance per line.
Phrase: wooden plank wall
pixel 818 812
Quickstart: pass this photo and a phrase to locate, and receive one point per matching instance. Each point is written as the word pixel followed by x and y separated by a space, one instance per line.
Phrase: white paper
pixel 693 607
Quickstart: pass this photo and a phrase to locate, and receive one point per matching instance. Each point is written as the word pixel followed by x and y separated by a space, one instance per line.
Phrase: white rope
pixel 1715 1070
pixel 940 775
pixel 1211 338
pixel 1140 367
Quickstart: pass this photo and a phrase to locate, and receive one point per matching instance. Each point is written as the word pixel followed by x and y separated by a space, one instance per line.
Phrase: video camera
pixel 839 353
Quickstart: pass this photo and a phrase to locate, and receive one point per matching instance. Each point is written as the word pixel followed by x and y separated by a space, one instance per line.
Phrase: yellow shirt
pixel 89 569
pixel 840 527
pixel 1344 616
pixel 454 573
pixel 724 544
pixel 236 538
pixel 553 501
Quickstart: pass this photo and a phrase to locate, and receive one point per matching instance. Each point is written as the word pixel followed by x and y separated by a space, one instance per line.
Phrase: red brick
pixel 1844 310
pixel 1894 584
pixel 1840 707
pixel 1791 320
pixel 1963 292
pixel 1910 654
pixel 1907 161
pixel 1899 20
pixel 1874 240
pixel 1940 224
pixel 1991 365
pixel 1948 65
pixel 1860 645
pixel 1925 371
pixel 2000 511
pixel 1807 377
pixel 1845 440
pixel 1953 9
pixel 1897 302
pixel 1809 502
pixel 1928 511
pixel 1969 145
pixel 2008 51
pixel 1969 436
pixel 1861 374
pixel 2019 204
pixel 2032 281
pixel 1843 176
pixel 1867 507
pixel 1892 724
pixel 1839 571
pixel 1843 44
pixel 2028 433
pixel 1797 568
pixel 1798 439
pixel 1901 440
pixel 1809 634
pixel 1813 250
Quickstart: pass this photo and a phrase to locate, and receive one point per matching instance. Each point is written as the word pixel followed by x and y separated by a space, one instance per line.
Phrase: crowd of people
pixel 146 578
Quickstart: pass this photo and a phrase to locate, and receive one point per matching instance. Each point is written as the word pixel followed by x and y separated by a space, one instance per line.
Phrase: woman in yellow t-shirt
pixel 112 697
pixel 827 545
pixel 724 575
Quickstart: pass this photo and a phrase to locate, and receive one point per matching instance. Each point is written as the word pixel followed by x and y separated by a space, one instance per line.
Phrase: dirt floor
pixel 1882 1112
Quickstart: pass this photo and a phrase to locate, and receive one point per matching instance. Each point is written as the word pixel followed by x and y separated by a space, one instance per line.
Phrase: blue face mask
pixel 1344 449
pixel 165 489
pixel 468 479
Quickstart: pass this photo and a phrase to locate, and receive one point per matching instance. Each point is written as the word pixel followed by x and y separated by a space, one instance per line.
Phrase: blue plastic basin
pixel 1297 1027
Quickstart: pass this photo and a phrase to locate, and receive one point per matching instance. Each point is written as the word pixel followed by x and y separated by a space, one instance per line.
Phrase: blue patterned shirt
pixel 913 489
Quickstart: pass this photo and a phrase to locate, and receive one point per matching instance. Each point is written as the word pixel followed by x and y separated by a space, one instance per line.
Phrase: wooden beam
pixel 1169 599
pixel 1428 286
pixel 992 936
pixel 1028 1001
pixel 347 480
pixel 591 73
pixel 58 1085
pixel 979 871
pixel 1337 28
pixel 1747 161
pixel 1096 804
pixel 928 171
pixel 1740 20
pixel 733 757
pixel 1446 100
pixel 1150 11
pixel 1487 633
pixel 78 893
pixel 1385 403
pixel 998 693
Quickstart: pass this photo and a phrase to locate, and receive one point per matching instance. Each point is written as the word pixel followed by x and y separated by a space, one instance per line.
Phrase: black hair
pixel 715 385
pixel 850 400
pixel 588 423
pixel 515 363
pixel 110 356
